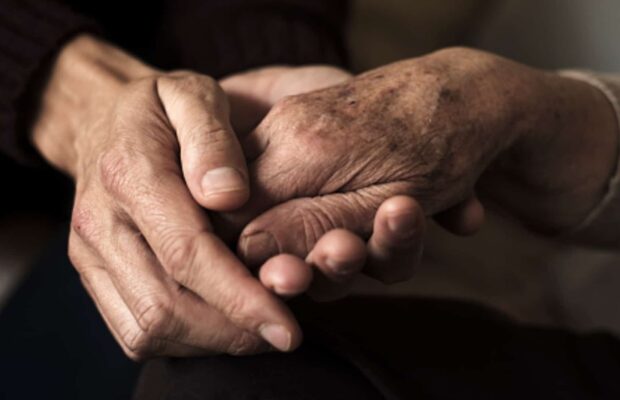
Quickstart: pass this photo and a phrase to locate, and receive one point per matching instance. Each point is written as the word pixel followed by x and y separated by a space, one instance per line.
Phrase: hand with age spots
pixel 142 146
pixel 339 255
pixel 428 129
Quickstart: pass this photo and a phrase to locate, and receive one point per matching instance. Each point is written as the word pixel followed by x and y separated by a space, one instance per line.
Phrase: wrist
pixel 564 155
pixel 81 86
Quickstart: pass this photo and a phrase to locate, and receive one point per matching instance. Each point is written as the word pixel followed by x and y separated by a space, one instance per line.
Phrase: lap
pixel 403 349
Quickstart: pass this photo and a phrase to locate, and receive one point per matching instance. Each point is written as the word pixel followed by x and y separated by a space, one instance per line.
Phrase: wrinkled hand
pixel 146 152
pixel 426 128
pixel 339 255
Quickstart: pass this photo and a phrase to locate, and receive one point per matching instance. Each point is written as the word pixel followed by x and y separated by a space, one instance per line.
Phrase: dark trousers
pixel 53 345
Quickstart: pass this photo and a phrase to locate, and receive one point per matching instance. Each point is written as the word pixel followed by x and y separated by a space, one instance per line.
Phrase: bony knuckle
pixel 138 345
pixel 187 82
pixel 286 105
pixel 133 356
pixel 113 168
pixel 190 81
pixel 178 255
pixel 83 224
pixel 154 316
pixel 315 222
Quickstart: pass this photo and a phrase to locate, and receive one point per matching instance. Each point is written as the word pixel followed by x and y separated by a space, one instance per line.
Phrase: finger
pixel 162 308
pixel 330 268
pixel 296 225
pixel 114 311
pixel 177 231
pixel 286 275
pixel 466 218
pixel 337 257
pixel 213 162
pixel 396 244
pixel 136 344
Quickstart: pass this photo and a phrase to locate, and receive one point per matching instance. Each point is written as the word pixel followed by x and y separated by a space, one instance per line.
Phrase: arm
pixel 439 128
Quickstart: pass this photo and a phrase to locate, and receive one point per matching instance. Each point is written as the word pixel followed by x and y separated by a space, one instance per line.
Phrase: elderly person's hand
pixel 396 244
pixel 146 150
pixel 427 128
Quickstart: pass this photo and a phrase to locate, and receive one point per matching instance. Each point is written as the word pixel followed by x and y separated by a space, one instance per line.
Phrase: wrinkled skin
pixel 331 267
pixel 336 158
pixel 141 146
pixel 426 128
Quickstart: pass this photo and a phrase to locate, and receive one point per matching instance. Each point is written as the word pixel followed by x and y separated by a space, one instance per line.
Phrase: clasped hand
pixel 320 177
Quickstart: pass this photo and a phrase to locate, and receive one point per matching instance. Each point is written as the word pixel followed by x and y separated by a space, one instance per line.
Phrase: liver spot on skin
pixel 449 95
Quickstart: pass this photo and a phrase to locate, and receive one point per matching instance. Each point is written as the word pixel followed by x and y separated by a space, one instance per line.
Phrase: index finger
pixel 150 187
pixel 180 236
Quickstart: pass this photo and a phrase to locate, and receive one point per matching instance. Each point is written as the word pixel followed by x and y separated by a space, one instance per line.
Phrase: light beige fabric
pixel 601 226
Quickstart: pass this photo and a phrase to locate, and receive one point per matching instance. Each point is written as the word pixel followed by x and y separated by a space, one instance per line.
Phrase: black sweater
pixel 215 37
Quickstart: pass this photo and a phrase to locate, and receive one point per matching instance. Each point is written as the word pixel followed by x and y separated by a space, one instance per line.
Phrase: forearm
pixel 83 80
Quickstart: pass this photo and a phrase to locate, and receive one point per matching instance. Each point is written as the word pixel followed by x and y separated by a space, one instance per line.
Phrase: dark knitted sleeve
pixel 31 31
pixel 216 37
pixel 235 35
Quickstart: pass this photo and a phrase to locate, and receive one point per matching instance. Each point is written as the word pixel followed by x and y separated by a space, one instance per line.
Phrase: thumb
pixel 212 160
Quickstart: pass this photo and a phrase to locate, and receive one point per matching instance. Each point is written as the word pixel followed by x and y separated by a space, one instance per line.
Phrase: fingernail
pixel 258 248
pixel 403 225
pixel 222 180
pixel 277 335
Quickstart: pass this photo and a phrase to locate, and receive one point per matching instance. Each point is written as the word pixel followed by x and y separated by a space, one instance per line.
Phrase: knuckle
pixel 137 344
pixel 286 104
pixel 285 109
pixel 153 314
pixel 113 169
pixel 308 125
pixel 132 355
pixel 84 225
pixel 315 222
pixel 187 82
pixel 190 80
pixel 179 252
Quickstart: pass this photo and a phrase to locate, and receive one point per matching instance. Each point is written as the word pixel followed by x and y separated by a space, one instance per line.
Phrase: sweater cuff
pixel 31 33
pixel 600 227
